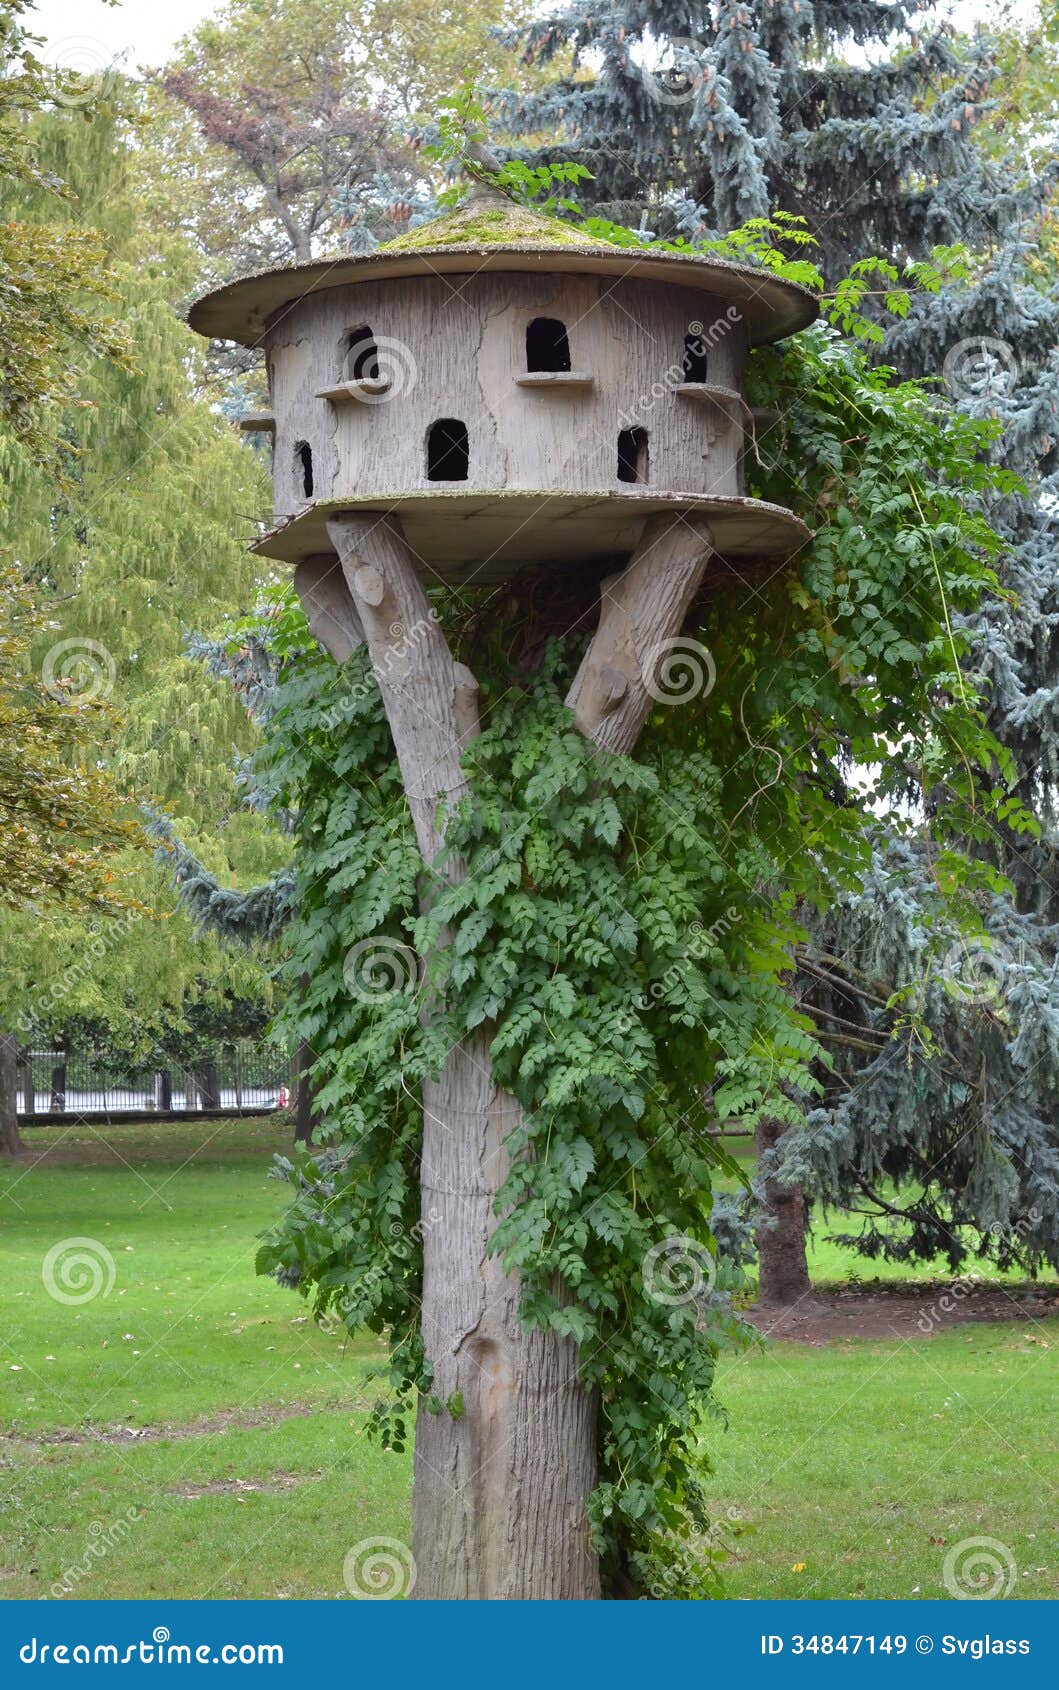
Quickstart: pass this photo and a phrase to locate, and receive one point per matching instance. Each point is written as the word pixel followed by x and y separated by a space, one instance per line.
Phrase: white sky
pixel 87 35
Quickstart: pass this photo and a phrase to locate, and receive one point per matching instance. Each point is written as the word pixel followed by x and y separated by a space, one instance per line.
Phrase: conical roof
pixel 488 231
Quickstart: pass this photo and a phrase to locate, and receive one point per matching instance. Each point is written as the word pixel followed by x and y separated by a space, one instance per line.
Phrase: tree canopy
pixel 119 523
pixel 289 129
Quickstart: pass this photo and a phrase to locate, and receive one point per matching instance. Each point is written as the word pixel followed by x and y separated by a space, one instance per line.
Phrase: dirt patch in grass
pixel 907 1311
pixel 233 1420
pixel 274 1485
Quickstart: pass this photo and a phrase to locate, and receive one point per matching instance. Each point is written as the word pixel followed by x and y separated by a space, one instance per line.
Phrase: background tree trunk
pixel 29 1096
pixel 57 1100
pixel 783 1273
pixel 210 1086
pixel 305 1115
pixel 504 1465
pixel 10 1139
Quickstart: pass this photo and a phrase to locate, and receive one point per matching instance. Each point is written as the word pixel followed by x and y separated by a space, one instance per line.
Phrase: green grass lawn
pixel 861 1464
pixel 192 1434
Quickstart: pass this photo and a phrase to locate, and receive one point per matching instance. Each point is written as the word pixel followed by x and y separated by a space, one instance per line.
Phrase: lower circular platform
pixel 478 538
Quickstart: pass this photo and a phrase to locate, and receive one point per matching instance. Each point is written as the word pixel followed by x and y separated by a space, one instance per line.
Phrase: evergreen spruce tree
pixel 254 917
pixel 870 120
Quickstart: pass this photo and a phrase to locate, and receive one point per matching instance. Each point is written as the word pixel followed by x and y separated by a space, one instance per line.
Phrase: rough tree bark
pixel 500 1487
pixel 642 610
pixel 305 1114
pixel 209 1086
pixel 10 1138
pixel 29 1096
pixel 783 1272
pixel 57 1099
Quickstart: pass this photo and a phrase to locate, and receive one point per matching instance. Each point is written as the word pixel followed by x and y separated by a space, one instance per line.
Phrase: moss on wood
pixel 488 218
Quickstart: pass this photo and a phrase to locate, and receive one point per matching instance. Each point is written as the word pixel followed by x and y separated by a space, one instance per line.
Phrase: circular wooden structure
pixel 511 392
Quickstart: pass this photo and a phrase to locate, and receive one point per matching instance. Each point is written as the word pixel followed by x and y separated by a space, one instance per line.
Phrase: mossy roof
pixel 488 231
pixel 491 219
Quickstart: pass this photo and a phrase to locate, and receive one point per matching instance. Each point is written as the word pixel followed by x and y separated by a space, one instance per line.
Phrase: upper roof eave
pixel 489 233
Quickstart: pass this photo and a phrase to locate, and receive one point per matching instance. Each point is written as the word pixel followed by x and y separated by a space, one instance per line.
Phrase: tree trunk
pixel 501 1483
pixel 57 1100
pixel 210 1086
pixel 783 1274
pixel 10 1139
pixel 305 1114
pixel 504 1467
pixel 29 1096
pixel 163 1090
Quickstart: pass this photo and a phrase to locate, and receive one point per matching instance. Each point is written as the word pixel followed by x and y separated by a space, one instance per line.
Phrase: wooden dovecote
pixel 511 391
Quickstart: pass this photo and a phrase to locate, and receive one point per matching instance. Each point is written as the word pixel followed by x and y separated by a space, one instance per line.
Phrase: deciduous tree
pixel 130 530
pixel 301 120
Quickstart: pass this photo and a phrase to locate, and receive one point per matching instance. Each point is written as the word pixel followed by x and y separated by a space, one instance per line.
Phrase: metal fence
pixel 240 1078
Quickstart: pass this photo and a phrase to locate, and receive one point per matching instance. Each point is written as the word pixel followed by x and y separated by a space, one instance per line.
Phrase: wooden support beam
pixel 328 603
pixel 642 611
